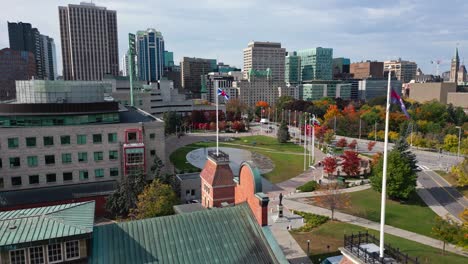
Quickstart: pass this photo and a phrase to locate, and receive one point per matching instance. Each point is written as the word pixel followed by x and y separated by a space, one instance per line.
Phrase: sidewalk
pixel 320 193
pixel 293 205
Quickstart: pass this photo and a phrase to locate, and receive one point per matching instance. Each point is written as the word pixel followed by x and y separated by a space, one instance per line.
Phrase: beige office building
pixel 423 92
pixel 89 41
pixel 261 56
pixel 367 69
pixel 404 71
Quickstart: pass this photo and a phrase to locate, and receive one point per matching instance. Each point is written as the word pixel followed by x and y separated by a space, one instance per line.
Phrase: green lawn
pixel 331 233
pixel 413 215
pixel 288 163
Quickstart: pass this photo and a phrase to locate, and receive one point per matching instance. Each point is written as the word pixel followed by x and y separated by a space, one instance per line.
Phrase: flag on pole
pixel 397 99
pixel 223 93
pixel 315 121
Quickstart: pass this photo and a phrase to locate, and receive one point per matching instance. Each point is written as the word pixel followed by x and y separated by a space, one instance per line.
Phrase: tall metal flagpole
pixel 313 141
pixel 305 139
pixel 217 125
pixel 311 121
pixel 300 129
pixel 384 175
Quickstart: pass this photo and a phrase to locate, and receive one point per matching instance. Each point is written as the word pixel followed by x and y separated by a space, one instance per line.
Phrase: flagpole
pixel 313 141
pixel 217 125
pixel 384 175
pixel 311 121
pixel 305 139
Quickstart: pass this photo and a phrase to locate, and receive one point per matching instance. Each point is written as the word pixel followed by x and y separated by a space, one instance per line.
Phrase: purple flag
pixel 397 99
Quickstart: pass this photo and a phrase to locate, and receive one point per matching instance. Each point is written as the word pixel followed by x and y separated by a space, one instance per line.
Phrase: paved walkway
pixel 294 205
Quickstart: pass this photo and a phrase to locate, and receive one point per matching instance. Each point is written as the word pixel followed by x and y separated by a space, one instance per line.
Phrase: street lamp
pixel 308 247
pixel 459 141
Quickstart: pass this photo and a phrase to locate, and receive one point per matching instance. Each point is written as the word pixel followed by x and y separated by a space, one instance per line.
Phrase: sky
pixel 415 30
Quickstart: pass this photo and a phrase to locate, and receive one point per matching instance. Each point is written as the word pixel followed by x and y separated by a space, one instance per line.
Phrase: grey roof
pixel 188 208
pixel 134 116
pixel 55 193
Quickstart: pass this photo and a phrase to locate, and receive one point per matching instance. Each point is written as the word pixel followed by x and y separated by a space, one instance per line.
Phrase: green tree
pixel 329 136
pixel 403 147
pixel 446 230
pixel 125 196
pixel 157 199
pixel 172 120
pixel 461 172
pixel 283 101
pixel 401 179
pixel 283 133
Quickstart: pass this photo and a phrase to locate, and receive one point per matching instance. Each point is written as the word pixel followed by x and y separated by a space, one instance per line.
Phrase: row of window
pixel 52 253
pixel 32 161
pixel 52 177
pixel 64 140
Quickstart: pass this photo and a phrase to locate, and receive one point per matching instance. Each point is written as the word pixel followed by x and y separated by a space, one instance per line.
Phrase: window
pixel 30 142
pixel 49 159
pixel 152 136
pixel 65 140
pixel 1 163
pixel 51 177
pixel 36 255
pixel 32 161
pixel 54 252
pixel 16 181
pixel 112 137
pixel 72 250
pixel 153 152
pixel 13 143
pixel 98 156
pixel 66 158
pixel 132 136
pixel 68 176
pixel 15 162
pixel 97 138
pixel 17 256
pixel 114 172
pixel 99 173
pixel 83 175
pixel 82 156
pixel 33 179
pixel 81 139
pixel 2 183
pixel 48 141
pixel 113 155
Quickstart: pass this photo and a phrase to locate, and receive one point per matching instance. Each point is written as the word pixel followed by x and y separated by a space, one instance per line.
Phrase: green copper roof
pixel 43 223
pixel 218 235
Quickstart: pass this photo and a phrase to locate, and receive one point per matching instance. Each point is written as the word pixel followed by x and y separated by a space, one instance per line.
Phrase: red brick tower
pixel 217 180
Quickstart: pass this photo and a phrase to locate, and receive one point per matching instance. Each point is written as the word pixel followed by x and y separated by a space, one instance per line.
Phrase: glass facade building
pixel 316 90
pixel 292 73
pixel 150 55
pixel 316 64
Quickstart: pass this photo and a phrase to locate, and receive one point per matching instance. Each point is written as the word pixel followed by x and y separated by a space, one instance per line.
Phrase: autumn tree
pixel 329 165
pixel 157 199
pixel 351 163
pixel 460 171
pixel 235 105
pixel 342 143
pixel 333 198
pixel 353 144
pixel 446 230
pixel 329 136
pixel 371 145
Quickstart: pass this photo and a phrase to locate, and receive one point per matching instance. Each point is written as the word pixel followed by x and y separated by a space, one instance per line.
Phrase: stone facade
pixel 153 139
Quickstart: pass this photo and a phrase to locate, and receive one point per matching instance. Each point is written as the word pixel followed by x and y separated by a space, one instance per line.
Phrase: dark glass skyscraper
pixel 23 37
pixel 150 55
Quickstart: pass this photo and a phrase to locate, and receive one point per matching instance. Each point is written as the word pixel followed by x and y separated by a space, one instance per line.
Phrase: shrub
pixel 308 186
pixel 311 221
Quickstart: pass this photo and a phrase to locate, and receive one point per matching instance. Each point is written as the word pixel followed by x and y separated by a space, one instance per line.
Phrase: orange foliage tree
pixel 262 104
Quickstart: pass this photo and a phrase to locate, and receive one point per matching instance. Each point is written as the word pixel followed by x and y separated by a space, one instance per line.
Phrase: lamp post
pixel 359 127
pixel 375 131
pixel 289 117
pixel 308 247
pixel 459 141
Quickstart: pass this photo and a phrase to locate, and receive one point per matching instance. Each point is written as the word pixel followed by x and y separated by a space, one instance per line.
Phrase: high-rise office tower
pixel 293 68
pixel 316 64
pixel 14 65
pixel 150 55
pixel 261 56
pixel 168 59
pixel 124 65
pixel 23 37
pixel 89 41
pixel 192 70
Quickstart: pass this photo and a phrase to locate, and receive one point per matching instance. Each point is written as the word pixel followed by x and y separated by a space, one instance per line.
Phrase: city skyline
pixel 391 29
